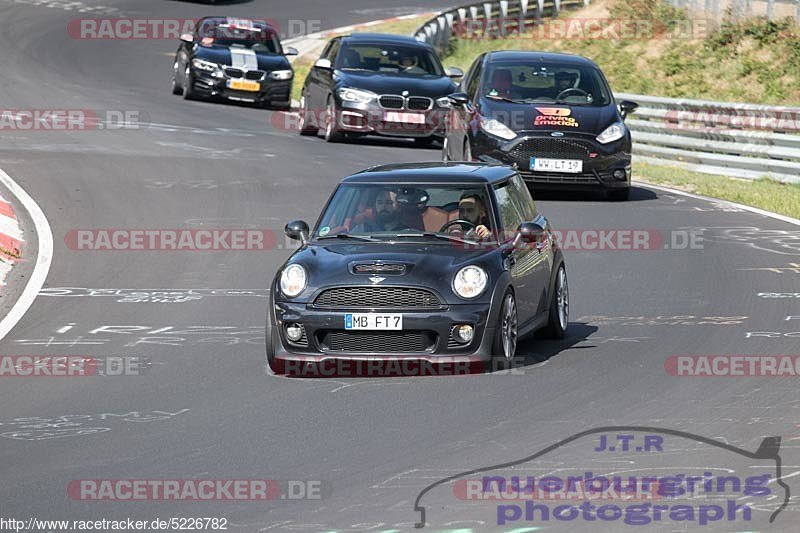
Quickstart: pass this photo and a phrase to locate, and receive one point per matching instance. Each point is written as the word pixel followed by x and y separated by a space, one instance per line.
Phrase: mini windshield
pixel 535 82
pixel 390 58
pixel 382 211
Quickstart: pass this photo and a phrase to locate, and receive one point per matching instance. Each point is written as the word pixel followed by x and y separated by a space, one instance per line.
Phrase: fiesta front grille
pixel 549 148
pixel 408 341
pixel 377 297
pixel 390 101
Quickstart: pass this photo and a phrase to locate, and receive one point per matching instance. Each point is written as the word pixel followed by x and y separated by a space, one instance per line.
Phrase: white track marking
pixel 43 258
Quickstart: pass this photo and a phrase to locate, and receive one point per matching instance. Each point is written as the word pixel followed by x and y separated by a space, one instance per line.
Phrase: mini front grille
pixel 379 268
pixel 419 103
pixel 389 342
pixel 390 101
pixel 549 148
pixel 377 297
pixel 255 75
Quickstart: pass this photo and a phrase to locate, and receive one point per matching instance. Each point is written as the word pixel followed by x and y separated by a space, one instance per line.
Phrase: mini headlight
pixel 202 64
pixel 293 280
pixel 356 95
pixel 281 74
pixel 497 128
pixel 612 133
pixel 470 281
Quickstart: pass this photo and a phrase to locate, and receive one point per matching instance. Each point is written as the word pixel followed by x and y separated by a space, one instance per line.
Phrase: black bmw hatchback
pixel 553 116
pixel 376 84
pixel 416 269
pixel 234 59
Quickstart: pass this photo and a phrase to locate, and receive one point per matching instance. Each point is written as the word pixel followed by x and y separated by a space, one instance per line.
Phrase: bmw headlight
pixel 281 74
pixel 470 281
pixel 497 128
pixel 443 102
pixel 208 66
pixel 293 280
pixel 356 95
pixel 612 133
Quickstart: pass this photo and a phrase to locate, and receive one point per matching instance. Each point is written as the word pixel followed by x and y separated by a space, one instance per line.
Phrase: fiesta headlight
pixel 497 128
pixel 293 280
pixel 208 66
pixel 281 74
pixel 612 133
pixel 470 281
pixel 356 95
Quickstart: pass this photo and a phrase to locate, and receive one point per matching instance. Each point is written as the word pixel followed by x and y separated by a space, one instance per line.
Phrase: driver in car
pixel 472 208
pixel 387 214
pixel 564 80
pixel 409 65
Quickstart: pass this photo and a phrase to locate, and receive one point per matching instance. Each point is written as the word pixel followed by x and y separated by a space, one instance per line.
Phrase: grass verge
pixel 771 195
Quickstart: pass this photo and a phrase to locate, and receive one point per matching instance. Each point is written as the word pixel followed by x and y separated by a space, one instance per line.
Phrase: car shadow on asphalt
pixel 638 194
pixel 533 350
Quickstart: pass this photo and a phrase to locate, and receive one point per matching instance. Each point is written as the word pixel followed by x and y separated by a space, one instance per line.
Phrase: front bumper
pixel 425 346
pixel 270 91
pixel 604 166
pixel 372 119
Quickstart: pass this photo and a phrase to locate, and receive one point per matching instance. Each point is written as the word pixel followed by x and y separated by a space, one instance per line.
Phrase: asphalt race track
pixel 208 409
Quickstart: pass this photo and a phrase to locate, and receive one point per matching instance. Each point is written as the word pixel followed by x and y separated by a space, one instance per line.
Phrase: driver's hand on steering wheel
pixel 482 231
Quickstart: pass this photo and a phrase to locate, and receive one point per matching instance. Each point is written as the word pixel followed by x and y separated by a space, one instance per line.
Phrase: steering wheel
pixel 457 221
pixel 579 92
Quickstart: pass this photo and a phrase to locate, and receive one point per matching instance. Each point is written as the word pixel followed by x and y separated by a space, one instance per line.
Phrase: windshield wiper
pixel 504 99
pixel 365 238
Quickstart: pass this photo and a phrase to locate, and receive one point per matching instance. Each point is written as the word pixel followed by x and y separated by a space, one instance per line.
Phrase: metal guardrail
pixel 734 139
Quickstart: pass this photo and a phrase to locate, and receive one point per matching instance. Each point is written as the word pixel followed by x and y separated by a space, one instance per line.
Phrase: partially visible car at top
pixel 551 115
pixel 393 270
pixel 368 83
pixel 234 59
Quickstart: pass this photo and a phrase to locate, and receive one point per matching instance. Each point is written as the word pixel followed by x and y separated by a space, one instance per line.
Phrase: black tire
pixel 176 88
pixel 618 195
pixel 188 92
pixel 424 142
pixel 332 132
pixel 306 127
pixel 557 321
pixel 504 345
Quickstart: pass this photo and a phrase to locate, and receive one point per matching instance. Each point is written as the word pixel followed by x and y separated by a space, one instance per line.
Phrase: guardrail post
pixel 539 9
pixel 448 30
pixel 523 15
pixel 473 17
pixel 558 6
pixel 770 9
pixel 501 19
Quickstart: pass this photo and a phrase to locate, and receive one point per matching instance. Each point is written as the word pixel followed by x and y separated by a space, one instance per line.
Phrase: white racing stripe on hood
pixel 244 58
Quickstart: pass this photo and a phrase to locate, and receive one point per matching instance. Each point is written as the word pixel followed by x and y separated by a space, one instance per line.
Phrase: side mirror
pixel 290 51
pixel 324 64
pixel 459 98
pixel 454 72
pixel 188 38
pixel 529 232
pixel 627 107
pixel 297 230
